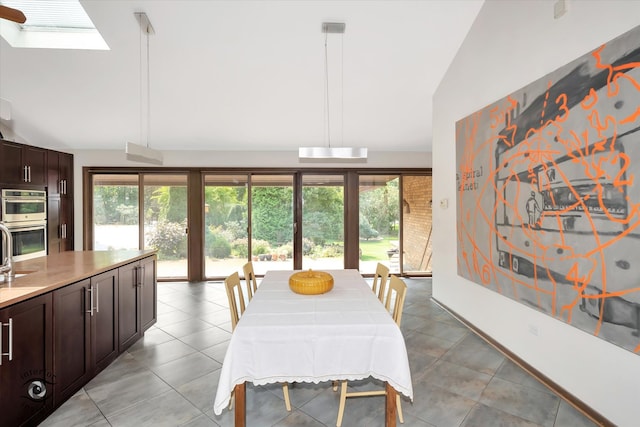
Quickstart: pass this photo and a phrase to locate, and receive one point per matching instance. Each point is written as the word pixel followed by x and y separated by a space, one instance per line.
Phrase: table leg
pixel 240 392
pixel 390 406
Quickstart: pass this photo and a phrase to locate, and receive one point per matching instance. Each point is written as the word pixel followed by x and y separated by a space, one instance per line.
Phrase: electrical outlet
pixel 444 203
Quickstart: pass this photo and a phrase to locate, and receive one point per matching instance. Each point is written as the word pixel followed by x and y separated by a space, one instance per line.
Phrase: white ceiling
pixel 240 75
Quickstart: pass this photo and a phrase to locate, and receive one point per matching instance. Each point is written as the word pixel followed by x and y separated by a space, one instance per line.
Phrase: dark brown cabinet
pixel 59 224
pixel 26 166
pixel 53 344
pixel 149 293
pixel 72 339
pixel 137 300
pixel 27 377
pixel 59 174
pixel 104 322
pixel 22 164
pixel 85 332
pixel 59 202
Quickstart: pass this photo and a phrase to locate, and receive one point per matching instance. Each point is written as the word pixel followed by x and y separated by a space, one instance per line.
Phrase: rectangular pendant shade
pixel 353 154
pixel 140 153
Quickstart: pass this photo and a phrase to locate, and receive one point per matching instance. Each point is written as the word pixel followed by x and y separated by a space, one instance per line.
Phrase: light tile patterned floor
pixel 169 377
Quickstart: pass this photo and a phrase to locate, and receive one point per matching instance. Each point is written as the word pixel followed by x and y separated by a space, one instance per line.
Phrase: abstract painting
pixel 548 193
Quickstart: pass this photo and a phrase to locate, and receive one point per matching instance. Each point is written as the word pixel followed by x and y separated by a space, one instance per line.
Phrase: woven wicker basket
pixel 311 282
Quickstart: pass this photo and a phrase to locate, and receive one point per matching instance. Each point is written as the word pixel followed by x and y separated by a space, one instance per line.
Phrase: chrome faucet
pixel 7 248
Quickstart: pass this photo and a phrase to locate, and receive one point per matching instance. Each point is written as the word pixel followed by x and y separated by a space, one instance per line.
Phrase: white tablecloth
pixel 345 334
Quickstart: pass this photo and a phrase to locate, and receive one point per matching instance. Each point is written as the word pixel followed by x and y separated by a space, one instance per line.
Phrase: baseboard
pixel 579 405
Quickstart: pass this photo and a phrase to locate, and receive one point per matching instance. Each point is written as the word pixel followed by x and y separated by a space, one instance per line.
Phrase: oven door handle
pixel 25 228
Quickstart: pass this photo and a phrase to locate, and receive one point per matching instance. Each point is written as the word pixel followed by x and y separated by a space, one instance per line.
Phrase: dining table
pixel 343 334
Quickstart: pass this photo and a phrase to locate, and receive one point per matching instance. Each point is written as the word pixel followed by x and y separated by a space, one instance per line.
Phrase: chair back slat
pixel 394 301
pixel 380 281
pixel 236 299
pixel 250 279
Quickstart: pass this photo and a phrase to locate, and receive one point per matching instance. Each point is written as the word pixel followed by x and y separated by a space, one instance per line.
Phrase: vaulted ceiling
pixel 240 75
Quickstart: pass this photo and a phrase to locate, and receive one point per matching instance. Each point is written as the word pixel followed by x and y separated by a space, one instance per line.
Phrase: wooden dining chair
pixel 236 306
pixel 250 279
pixel 394 303
pixel 380 280
pixel 236 299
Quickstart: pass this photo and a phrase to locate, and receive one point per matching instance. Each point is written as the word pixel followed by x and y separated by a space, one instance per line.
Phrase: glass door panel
pixel 165 222
pixel 226 247
pixel 322 222
pixel 271 222
pixel 379 222
pixel 115 212
pixel 417 224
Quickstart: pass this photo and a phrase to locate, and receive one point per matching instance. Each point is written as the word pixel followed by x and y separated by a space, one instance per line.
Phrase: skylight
pixel 54 24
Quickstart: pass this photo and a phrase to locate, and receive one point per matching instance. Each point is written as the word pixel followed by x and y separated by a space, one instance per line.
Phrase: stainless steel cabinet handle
pixel 138 276
pixel 64 231
pixel 25 177
pixel 90 290
pixel 29 169
pixel 97 297
pixel 64 186
pixel 10 352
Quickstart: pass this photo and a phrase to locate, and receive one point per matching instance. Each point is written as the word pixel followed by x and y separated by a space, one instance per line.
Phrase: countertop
pixel 51 272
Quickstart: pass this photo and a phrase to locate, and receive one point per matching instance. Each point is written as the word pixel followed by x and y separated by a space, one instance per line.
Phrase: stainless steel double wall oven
pixel 24 212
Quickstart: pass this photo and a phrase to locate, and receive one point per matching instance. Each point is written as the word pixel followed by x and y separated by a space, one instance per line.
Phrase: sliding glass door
pixel 206 224
pixel 116 212
pixel 322 221
pixel 165 207
pixel 272 222
pixel 157 220
pixel 226 246
pixel 379 222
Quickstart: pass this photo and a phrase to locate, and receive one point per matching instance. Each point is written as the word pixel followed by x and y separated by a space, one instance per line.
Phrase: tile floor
pixel 169 377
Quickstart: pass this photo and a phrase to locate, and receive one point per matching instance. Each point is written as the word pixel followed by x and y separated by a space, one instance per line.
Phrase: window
pixel 205 224
pixel 53 24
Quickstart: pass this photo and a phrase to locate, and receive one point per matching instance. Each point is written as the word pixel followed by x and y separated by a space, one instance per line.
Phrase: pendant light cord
pixel 140 80
pixel 327 92
pixel 141 84
pixel 148 91
pixel 326 76
pixel 342 89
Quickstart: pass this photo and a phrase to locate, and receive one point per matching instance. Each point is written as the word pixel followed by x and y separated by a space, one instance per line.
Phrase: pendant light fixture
pixel 137 152
pixel 330 153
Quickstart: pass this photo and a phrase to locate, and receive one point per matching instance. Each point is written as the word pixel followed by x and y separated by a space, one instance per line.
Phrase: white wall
pixel 241 159
pixel 511 44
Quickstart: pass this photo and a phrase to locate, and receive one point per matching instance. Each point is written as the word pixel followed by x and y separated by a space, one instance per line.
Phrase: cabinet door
pixel 149 288
pixel 72 338
pixel 53 174
pixel 128 305
pixel 54 229
pixel 66 224
pixel 59 174
pixel 65 164
pixel 35 159
pixel 26 381
pixel 11 166
pixel 59 224
pixel 104 322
